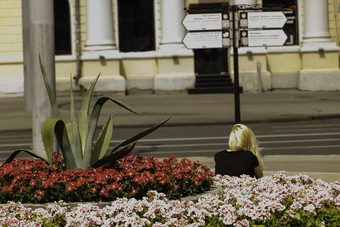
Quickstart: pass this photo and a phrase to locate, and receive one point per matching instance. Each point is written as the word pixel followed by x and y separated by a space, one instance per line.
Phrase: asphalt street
pixel 298 130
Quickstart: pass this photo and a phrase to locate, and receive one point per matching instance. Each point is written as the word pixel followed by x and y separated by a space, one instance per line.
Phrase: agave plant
pixel 76 139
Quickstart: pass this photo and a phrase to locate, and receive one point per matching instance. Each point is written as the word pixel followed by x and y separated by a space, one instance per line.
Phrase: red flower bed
pixel 33 181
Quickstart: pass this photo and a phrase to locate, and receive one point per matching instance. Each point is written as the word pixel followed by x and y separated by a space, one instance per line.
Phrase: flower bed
pixel 33 181
pixel 270 201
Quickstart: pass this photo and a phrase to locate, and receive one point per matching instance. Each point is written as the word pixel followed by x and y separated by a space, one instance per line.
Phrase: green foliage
pixel 76 139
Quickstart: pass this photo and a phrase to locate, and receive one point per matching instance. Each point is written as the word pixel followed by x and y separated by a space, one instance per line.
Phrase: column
pixel 316 21
pixel 41 19
pixel 100 53
pixel 175 61
pixel 99 25
pixel 319 54
pixel 172 14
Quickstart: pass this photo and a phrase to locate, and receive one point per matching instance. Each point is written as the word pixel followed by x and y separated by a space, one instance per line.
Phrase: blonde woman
pixel 243 155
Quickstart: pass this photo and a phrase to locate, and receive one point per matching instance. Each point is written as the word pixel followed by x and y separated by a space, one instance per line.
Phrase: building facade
pixel 137 45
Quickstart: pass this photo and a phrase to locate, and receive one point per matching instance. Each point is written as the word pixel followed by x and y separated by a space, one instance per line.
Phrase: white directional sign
pixel 205 21
pixel 199 40
pixel 266 37
pixel 265 19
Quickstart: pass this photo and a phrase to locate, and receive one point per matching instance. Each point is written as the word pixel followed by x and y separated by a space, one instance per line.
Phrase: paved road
pixel 307 147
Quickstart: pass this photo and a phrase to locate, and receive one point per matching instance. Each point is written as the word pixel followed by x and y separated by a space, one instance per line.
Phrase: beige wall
pixel 10 29
pixel 11 50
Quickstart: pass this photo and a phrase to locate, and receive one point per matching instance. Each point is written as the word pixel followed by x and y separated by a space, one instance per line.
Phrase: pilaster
pixel 101 54
pixel 175 61
pixel 319 54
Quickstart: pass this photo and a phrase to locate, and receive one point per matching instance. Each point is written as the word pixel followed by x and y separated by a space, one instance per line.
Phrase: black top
pixel 235 163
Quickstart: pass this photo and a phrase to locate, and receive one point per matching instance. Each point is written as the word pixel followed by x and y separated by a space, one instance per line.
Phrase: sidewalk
pixel 283 105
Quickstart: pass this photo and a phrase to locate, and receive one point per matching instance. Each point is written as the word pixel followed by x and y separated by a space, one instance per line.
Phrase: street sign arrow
pixel 199 40
pixel 200 22
pixel 266 19
pixel 266 37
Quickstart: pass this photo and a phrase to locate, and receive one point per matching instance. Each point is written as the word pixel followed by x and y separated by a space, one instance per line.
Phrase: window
pixel 136 25
pixel 289 8
pixel 62 28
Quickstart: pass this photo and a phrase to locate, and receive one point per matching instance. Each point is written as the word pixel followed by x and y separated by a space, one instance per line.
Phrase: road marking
pixel 213 138
pixel 226 137
pixel 177 139
pixel 299 134
pixel 305 147
pixel 178 152
pixel 15 144
pixel 307 126
pixel 301 129
pixel 225 144
pixel 15 136
pixel 298 141
pixel 175 152
pixel 182 145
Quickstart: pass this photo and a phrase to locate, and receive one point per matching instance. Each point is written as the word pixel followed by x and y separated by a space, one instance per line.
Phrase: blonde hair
pixel 242 138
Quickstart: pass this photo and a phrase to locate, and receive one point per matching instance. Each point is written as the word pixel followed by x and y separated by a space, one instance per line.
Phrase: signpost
pixel 210 39
pixel 212 27
pixel 199 40
pixel 255 38
pixel 205 21
pixel 211 30
pixel 262 19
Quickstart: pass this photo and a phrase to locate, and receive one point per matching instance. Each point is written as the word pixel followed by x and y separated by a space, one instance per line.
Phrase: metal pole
pixel 236 76
pixel 41 43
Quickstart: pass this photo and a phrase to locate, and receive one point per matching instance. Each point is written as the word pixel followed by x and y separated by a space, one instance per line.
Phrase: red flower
pixel 41 193
pixel 131 173
pixel 138 180
pixel 33 183
pixel 70 186
pixel 22 189
pixel 104 192
pixel 113 186
pixel 186 161
pixel 134 191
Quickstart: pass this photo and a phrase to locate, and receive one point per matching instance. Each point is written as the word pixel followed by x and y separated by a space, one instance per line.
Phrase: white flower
pixel 310 208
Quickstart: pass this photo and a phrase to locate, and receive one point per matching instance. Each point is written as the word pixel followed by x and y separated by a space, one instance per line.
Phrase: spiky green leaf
pixel 47 135
pixel 93 125
pixel 103 142
pixel 73 132
pixel 65 147
pixel 83 115
pixel 114 157
pixel 51 97
pixel 33 153
pixel 138 136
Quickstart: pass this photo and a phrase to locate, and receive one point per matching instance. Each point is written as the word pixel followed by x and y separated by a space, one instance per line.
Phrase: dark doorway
pixel 210 61
pixel 136 25
pixel 62 27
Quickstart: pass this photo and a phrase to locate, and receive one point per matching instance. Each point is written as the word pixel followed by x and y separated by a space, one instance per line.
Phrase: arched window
pixel 136 25
pixel 62 27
